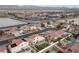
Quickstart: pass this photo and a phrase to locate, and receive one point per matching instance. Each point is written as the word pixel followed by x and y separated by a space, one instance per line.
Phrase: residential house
pixel 28 27
pixel 37 39
pixel 20 46
pixel 14 29
pixel 5 35
pixel 3 49
pixel 53 34
pixel 33 27
pixel 45 24
pixel 25 28
pixel 53 24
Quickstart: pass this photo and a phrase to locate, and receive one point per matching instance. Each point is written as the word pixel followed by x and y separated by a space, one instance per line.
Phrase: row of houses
pixel 16 45
pixel 18 31
pixel 61 45
pixel 33 43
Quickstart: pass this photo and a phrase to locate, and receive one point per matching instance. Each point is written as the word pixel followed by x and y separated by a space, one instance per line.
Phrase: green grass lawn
pixel 41 46
pixel 60 27
pixel 46 39
pixel 58 39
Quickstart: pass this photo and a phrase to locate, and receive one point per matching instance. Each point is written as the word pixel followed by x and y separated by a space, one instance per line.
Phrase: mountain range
pixel 31 7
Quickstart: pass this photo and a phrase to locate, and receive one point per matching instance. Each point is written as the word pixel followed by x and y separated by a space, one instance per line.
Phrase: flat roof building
pixel 7 22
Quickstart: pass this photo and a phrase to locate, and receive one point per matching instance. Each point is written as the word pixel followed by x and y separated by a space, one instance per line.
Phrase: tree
pixel 1 32
pixel 62 16
pixel 28 23
pixel 26 18
pixel 60 27
pixel 48 22
pixel 46 39
pixel 42 25
pixel 72 22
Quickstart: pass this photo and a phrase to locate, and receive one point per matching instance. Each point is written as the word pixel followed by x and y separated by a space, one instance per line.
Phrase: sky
pixel 70 6
pixel 39 2
pixel 49 3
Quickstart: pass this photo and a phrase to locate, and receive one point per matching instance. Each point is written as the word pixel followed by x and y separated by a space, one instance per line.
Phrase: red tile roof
pixel 53 33
pixel 13 29
pixel 2 48
pixel 34 35
pixel 55 23
pixel 17 41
